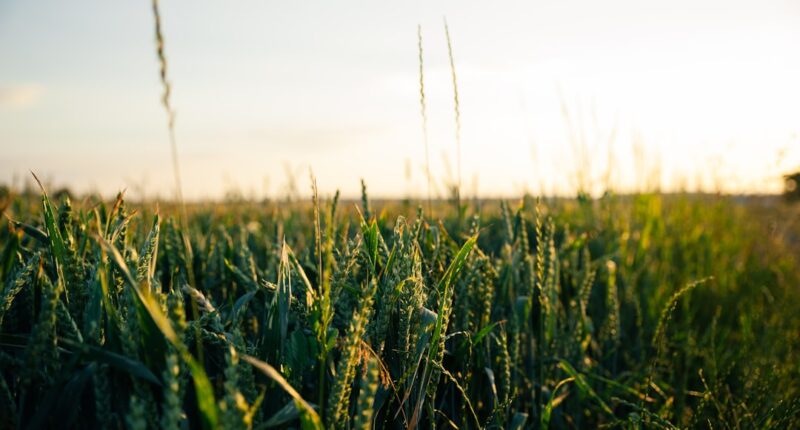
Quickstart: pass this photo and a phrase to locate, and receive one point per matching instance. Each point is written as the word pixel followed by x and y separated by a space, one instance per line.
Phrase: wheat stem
pixel 424 114
pixel 457 110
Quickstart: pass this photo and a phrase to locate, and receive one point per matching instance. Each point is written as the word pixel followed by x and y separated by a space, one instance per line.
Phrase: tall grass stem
pixel 424 114
pixel 457 110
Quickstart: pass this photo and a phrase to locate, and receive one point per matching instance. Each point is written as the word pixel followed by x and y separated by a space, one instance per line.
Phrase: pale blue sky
pixel 704 89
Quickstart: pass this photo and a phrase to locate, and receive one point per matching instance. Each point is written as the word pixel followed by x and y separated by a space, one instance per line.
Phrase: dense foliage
pixel 631 312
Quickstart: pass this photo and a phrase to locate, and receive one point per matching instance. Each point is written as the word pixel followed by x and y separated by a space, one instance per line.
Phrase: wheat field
pixel 642 310
pixel 646 311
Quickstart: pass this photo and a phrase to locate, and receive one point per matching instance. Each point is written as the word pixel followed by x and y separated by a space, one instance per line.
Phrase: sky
pixel 555 96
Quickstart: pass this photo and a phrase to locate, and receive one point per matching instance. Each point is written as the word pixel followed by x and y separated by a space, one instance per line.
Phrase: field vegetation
pixel 645 311
pixel 632 311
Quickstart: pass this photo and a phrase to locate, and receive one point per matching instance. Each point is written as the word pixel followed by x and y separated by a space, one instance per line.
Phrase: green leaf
pixel 57 246
pixel 206 403
pixel 438 330
pixel 121 362
pixel 32 231
pixel 483 332
pixel 241 278
pixel 553 402
pixel 444 290
pixel 309 419
pixel 149 326
pixel 284 295
pixel 69 401
pixel 518 421
pixel 286 414
pixel 203 390
pixel 583 385
pixel 239 306
pixel 370 233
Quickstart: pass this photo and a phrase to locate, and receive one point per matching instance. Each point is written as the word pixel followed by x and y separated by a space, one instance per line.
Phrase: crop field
pixel 646 311
pixel 651 300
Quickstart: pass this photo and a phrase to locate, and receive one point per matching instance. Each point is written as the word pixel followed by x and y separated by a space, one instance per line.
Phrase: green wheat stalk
pixel 457 110
pixel 165 101
pixel 424 114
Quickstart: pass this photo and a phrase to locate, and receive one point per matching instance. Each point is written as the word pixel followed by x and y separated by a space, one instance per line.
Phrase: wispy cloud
pixel 20 96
